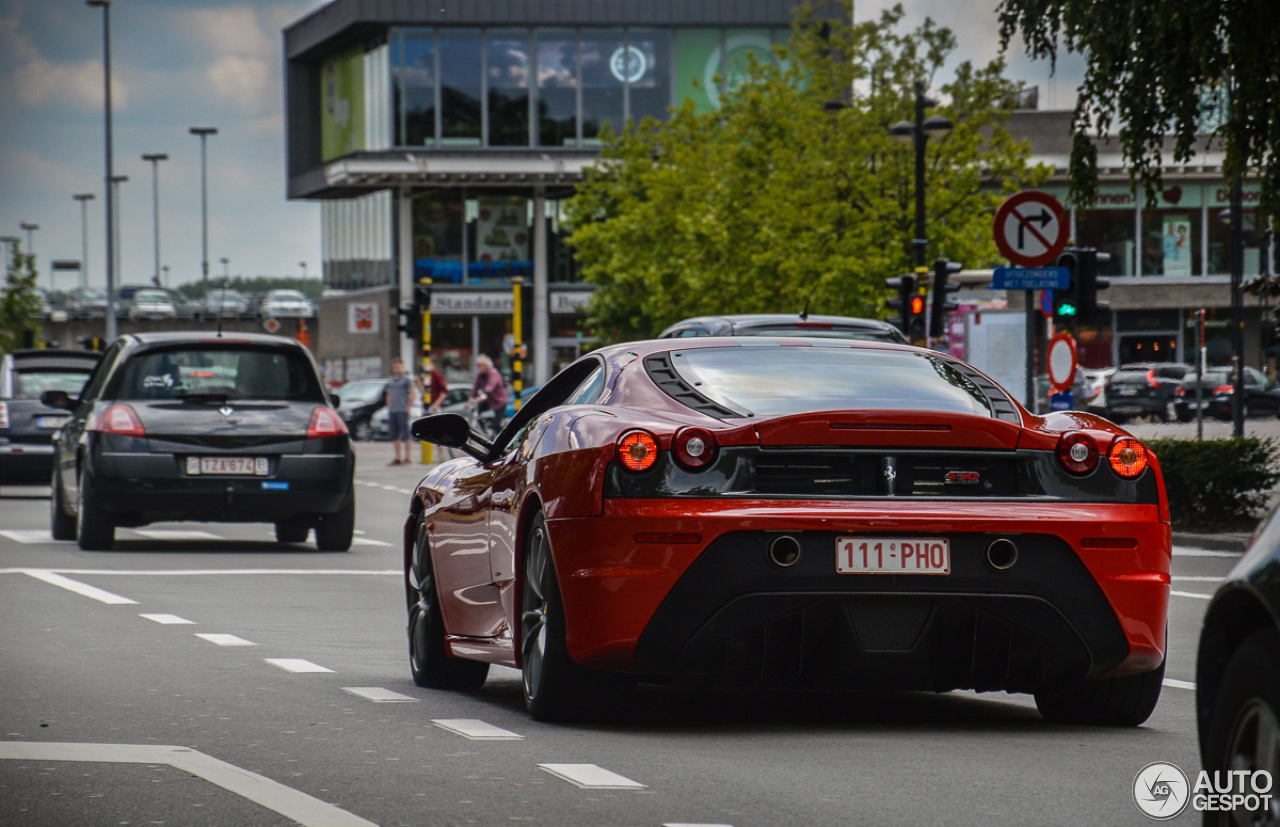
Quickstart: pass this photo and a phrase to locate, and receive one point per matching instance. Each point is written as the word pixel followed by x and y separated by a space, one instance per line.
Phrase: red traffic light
pixel 917 305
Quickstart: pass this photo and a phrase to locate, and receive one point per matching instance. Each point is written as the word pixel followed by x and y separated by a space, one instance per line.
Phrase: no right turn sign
pixel 1031 229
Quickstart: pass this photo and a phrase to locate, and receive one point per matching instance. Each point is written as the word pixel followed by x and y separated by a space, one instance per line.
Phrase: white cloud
pixel 37 80
pixel 241 80
pixel 233 31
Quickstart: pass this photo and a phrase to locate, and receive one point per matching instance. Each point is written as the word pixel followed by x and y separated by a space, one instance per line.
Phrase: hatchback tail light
pixel 1224 389
pixel 119 419
pixel 324 422
pixel 1078 453
pixel 4 414
pixel 1152 382
pixel 637 451
pixel 1128 457
pixel 694 448
pixel 1179 391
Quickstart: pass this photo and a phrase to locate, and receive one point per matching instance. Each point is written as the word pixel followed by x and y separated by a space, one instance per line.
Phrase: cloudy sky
pixel 183 63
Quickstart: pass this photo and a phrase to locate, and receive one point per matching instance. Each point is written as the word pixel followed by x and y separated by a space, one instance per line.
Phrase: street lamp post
pixel 917 134
pixel 165 270
pixel 31 238
pixel 84 198
pixel 116 181
pixel 303 265
pixel 155 160
pixel 204 132
pixel 105 5
pixel 226 272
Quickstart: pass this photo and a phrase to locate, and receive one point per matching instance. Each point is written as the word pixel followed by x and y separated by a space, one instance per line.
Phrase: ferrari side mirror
pixel 451 431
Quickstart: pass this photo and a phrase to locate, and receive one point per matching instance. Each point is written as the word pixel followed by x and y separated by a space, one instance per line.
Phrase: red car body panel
pixel 617 559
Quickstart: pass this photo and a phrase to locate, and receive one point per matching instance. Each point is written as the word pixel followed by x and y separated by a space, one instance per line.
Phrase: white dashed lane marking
pixel 27 537
pixel 1196 595
pixel 79 588
pixel 296 665
pixel 476 730
pixel 168 620
pixel 1177 684
pixel 1197 578
pixel 684 824
pixel 1202 552
pixel 175 534
pixel 225 640
pixel 591 777
pixel 365 541
pixel 379 695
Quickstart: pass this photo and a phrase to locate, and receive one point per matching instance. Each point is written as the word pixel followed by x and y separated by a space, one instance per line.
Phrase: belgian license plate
pixel 230 466
pixel 51 422
pixel 892 555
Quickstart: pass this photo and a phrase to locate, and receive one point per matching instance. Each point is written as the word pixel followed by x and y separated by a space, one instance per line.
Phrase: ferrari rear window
pixel 861 333
pixel 780 381
pixel 220 372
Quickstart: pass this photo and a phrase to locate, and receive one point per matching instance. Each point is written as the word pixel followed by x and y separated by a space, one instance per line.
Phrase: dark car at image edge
pixel 191 426
pixel 27 425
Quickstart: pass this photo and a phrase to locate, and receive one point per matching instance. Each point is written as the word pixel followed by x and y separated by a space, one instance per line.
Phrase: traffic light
pixel 906 301
pixel 942 269
pixel 1066 302
pixel 1090 284
pixel 410 323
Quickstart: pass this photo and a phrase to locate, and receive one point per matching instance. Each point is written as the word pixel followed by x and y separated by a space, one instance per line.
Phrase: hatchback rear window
pixel 220 371
pixel 1124 376
pixel 779 381
pixel 30 384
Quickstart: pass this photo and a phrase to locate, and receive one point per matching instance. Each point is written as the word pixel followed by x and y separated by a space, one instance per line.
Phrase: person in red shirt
pixel 435 389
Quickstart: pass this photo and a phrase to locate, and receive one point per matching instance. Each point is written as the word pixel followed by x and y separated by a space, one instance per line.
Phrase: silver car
pixel 230 304
pixel 286 304
pixel 151 304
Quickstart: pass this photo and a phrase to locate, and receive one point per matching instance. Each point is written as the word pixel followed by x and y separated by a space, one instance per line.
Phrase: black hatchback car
pixel 27 425
pixel 1217 395
pixel 1145 389
pixel 191 426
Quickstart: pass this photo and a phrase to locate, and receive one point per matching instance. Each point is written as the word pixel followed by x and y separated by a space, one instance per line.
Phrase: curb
pixel 1220 542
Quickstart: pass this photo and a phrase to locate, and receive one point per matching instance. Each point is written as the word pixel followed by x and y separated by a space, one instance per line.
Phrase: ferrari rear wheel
pixel 556 688
pixel 429 659
pixel 1126 701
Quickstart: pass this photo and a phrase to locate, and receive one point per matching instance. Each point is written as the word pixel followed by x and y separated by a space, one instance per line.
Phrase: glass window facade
pixel 557 93
pixel 461 87
pixel 1111 232
pixel 413 68
pixel 605 65
pixel 508 68
pixel 648 73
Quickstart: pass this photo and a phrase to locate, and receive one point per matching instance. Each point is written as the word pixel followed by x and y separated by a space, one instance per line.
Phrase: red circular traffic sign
pixel 1031 229
pixel 1062 362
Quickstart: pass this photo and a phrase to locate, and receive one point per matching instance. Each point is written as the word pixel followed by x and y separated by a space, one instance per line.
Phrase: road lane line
pixel 379 695
pixel 591 777
pixel 688 824
pixel 476 730
pixel 288 802
pixel 78 587
pixel 1196 595
pixel 175 534
pixel 1203 552
pixel 365 541
pixel 1198 578
pixel 296 665
pixel 168 620
pixel 206 572
pixel 1176 684
pixel 27 537
pixel 225 640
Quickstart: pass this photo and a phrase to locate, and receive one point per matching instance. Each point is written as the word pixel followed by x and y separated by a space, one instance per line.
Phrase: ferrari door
pixel 460 551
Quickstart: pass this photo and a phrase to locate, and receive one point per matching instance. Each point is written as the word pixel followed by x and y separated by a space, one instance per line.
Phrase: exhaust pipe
pixel 1002 554
pixel 784 551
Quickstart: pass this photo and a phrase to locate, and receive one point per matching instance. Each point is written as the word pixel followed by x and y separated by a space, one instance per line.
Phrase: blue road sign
pixel 1037 278
pixel 1062 401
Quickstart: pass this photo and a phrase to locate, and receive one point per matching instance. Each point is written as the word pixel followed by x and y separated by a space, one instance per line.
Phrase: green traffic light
pixel 1066 309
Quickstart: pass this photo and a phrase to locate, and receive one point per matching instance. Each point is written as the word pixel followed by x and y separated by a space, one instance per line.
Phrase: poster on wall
pixel 502 230
pixel 342 104
pixel 1176 241
pixel 362 317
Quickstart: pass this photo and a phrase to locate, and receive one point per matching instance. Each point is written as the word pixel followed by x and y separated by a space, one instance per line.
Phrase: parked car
pixel 1238 675
pixel 360 401
pixel 87 303
pixel 286 304
pixel 151 304
pixel 185 426
pixel 1217 395
pixel 455 401
pixel 713 512
pixel 1144 389
pixel 185 308
pixel 228 304
pixel 27 425
pixel 780 324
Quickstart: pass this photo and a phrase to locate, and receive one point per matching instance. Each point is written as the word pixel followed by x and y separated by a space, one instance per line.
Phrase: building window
pixel 1171 243
pixel 1220 242
pixel 557 103
pixel 460 87
pixel 437 236
pixel 1110 231
pixel 499 238
pixel 605 64
pixel 414 64
pixel 650 76
pixel 507 70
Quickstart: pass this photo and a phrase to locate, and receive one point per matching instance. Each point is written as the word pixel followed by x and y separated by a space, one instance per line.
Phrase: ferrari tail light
pixel 1128 457
pixel 694 448
pixel 1078 452
pixel 637 451
pixel 1151 379
pixel 1224 389
pixel 119 419
pixel 324 422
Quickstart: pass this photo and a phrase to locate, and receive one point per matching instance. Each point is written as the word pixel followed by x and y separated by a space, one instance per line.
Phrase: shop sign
pixel 363 317
pixel 474 303
pixel 570 302
pixel 1220 196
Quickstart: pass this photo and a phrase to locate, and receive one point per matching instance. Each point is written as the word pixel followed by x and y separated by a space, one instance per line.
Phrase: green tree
pixel 19 302
pixel 1152 68
pixel 775 200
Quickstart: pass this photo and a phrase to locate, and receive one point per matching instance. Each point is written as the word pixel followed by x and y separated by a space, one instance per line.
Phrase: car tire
pixel 292 531
pixel 430 663
pixel 1186 416
pixel 1247 703
pixel 1116 702
pixel 94 530
pixel 1170 413
pixel 556 688
pixel 335 531
pixel 61 524
pixel 363 431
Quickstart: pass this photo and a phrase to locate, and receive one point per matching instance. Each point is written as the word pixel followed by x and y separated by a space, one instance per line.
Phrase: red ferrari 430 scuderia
pixel 791 512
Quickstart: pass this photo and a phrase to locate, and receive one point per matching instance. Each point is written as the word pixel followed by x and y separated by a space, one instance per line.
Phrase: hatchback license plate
pixel 892 555
pixel 230 466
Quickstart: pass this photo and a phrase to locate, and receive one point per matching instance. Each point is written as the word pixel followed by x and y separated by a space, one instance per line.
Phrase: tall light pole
pixel 165 270
pixel 105 5
pixel 226 274
pixel 12 241
pixel 155 160
pixel 84 198
pixel 204 132
pixel 31 238
pixel 303 265
pixel 116 181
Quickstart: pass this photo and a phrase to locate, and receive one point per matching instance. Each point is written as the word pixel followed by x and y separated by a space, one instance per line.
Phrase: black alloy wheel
pixel 556 688
pixel 61 524
pixel 429 660
pixel 94 530
pixel 1116 702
